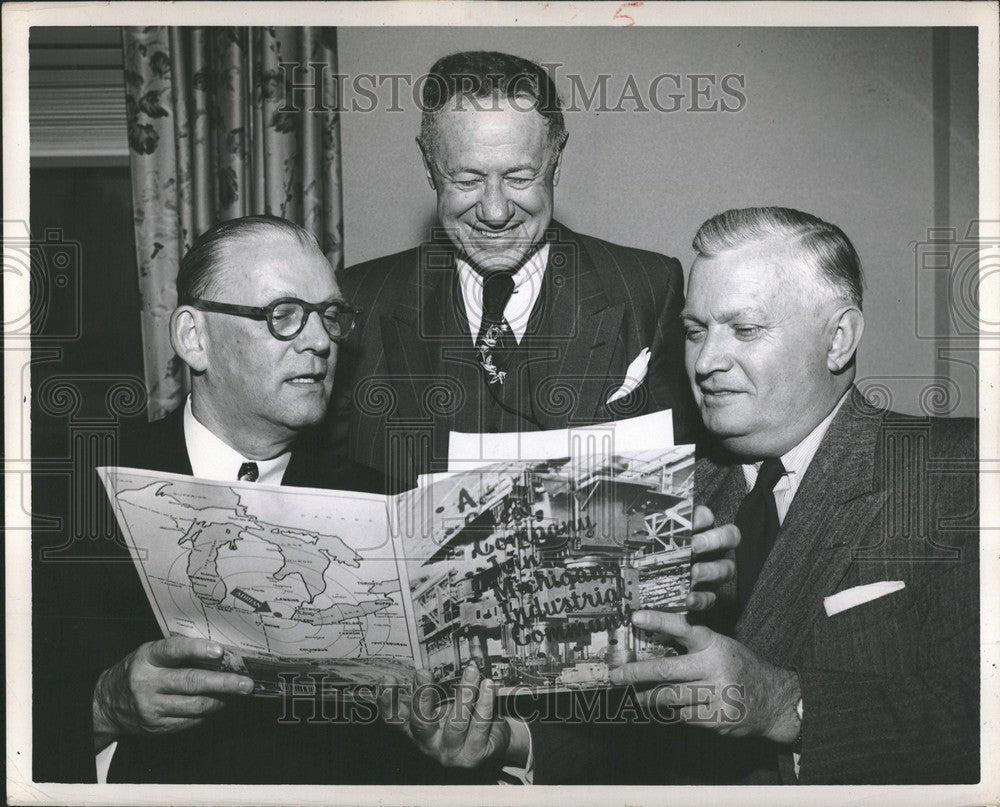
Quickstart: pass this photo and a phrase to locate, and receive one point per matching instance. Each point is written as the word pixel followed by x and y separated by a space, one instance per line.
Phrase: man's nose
pixel 494 209
pixel 313 335
pixel 713 355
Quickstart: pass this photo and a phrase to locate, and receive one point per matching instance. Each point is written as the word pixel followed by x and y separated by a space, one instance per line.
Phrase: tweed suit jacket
pixel 890 688
pixel 408 374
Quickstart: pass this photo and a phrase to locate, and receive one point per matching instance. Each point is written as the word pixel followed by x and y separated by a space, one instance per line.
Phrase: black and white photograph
pixel 644 437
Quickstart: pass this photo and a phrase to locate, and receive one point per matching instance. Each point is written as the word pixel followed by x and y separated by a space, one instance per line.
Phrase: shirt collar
pixel 213 458
pixel 527 288
pixel 797 459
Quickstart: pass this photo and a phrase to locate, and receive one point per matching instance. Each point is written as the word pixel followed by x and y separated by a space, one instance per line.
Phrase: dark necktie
pixel 495 338
pixel 248 472
pixel 757 519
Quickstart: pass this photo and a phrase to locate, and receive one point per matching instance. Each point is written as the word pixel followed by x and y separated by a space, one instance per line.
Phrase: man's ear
pixel 428 167
pixel 188 337
pixel 845 328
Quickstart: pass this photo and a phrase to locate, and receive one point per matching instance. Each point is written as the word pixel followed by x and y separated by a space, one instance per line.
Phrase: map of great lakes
pixel 295 577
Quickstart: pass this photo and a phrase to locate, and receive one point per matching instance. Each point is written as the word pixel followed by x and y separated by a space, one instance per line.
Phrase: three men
pixel 851 632
pixel 506 320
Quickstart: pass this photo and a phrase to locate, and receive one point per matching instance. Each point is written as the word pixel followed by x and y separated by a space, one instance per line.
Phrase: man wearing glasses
pixel 259 322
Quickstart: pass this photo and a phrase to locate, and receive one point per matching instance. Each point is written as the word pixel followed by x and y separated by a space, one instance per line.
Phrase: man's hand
pixel 719 684
pixel 157 689
pixel 710 568
pixel 462 733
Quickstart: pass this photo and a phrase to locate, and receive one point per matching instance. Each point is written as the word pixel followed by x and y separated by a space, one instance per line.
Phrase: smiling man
pixel 504 320
pixel 259 322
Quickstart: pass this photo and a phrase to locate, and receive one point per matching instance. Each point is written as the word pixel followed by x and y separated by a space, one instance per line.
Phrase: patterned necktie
pixel 757 519
pixel 495 337
pixel 248 472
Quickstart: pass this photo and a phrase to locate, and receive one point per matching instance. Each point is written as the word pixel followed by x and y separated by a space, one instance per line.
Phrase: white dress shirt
pixel 796 462
pixel 527 287
pixel 211 458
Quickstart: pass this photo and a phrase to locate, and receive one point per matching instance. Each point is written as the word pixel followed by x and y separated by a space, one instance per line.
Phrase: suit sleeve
pixel 73 646
pixel 604 739
pixel 581 754
pixel 63 737
pixel 567 754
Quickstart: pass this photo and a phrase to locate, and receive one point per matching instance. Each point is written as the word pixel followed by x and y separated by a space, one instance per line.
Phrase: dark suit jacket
pixel 890 688
pixel 101 614
pixel 408 374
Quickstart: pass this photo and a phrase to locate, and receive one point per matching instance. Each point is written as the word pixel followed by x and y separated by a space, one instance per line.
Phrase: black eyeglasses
pixel 288 316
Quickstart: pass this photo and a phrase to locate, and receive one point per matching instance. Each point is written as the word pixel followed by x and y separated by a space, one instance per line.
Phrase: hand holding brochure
pixel 531 568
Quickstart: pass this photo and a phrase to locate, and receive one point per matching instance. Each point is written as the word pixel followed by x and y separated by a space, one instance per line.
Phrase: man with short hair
pixel 847 651
pixel 259 321
pixel 505 320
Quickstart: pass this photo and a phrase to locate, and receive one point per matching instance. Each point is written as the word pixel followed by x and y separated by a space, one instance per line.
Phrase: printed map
pixel 285 578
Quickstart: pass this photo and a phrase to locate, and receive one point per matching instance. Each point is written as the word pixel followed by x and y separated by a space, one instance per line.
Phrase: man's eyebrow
pixel 337 297
pixel 751 312
pixel 513 170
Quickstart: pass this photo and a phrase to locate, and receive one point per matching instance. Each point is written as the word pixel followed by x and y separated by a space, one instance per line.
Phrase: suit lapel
pixel 835 504
pixel 413 334
pixel 430 360
pixel 577 335
pixel 721 487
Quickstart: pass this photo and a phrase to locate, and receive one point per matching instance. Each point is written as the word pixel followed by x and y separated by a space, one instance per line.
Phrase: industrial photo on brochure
pixel 530 568
pixel 533 569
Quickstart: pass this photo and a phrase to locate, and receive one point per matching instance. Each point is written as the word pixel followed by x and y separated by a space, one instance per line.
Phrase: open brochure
pixel 529 567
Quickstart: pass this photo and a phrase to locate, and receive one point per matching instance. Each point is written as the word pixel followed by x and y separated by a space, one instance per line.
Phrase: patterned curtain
pixel 209 140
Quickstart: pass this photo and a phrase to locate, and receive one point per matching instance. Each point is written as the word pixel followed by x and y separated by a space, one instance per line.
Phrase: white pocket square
pixel 859 595
pixel 634 375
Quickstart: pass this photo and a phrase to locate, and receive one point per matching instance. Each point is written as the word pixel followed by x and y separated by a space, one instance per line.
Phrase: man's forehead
pixel 482 120
pixel 754 279
pixel 769 263
pixel 270 261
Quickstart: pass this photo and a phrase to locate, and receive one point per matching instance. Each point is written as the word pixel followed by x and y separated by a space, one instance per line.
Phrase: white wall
pixel 838 122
